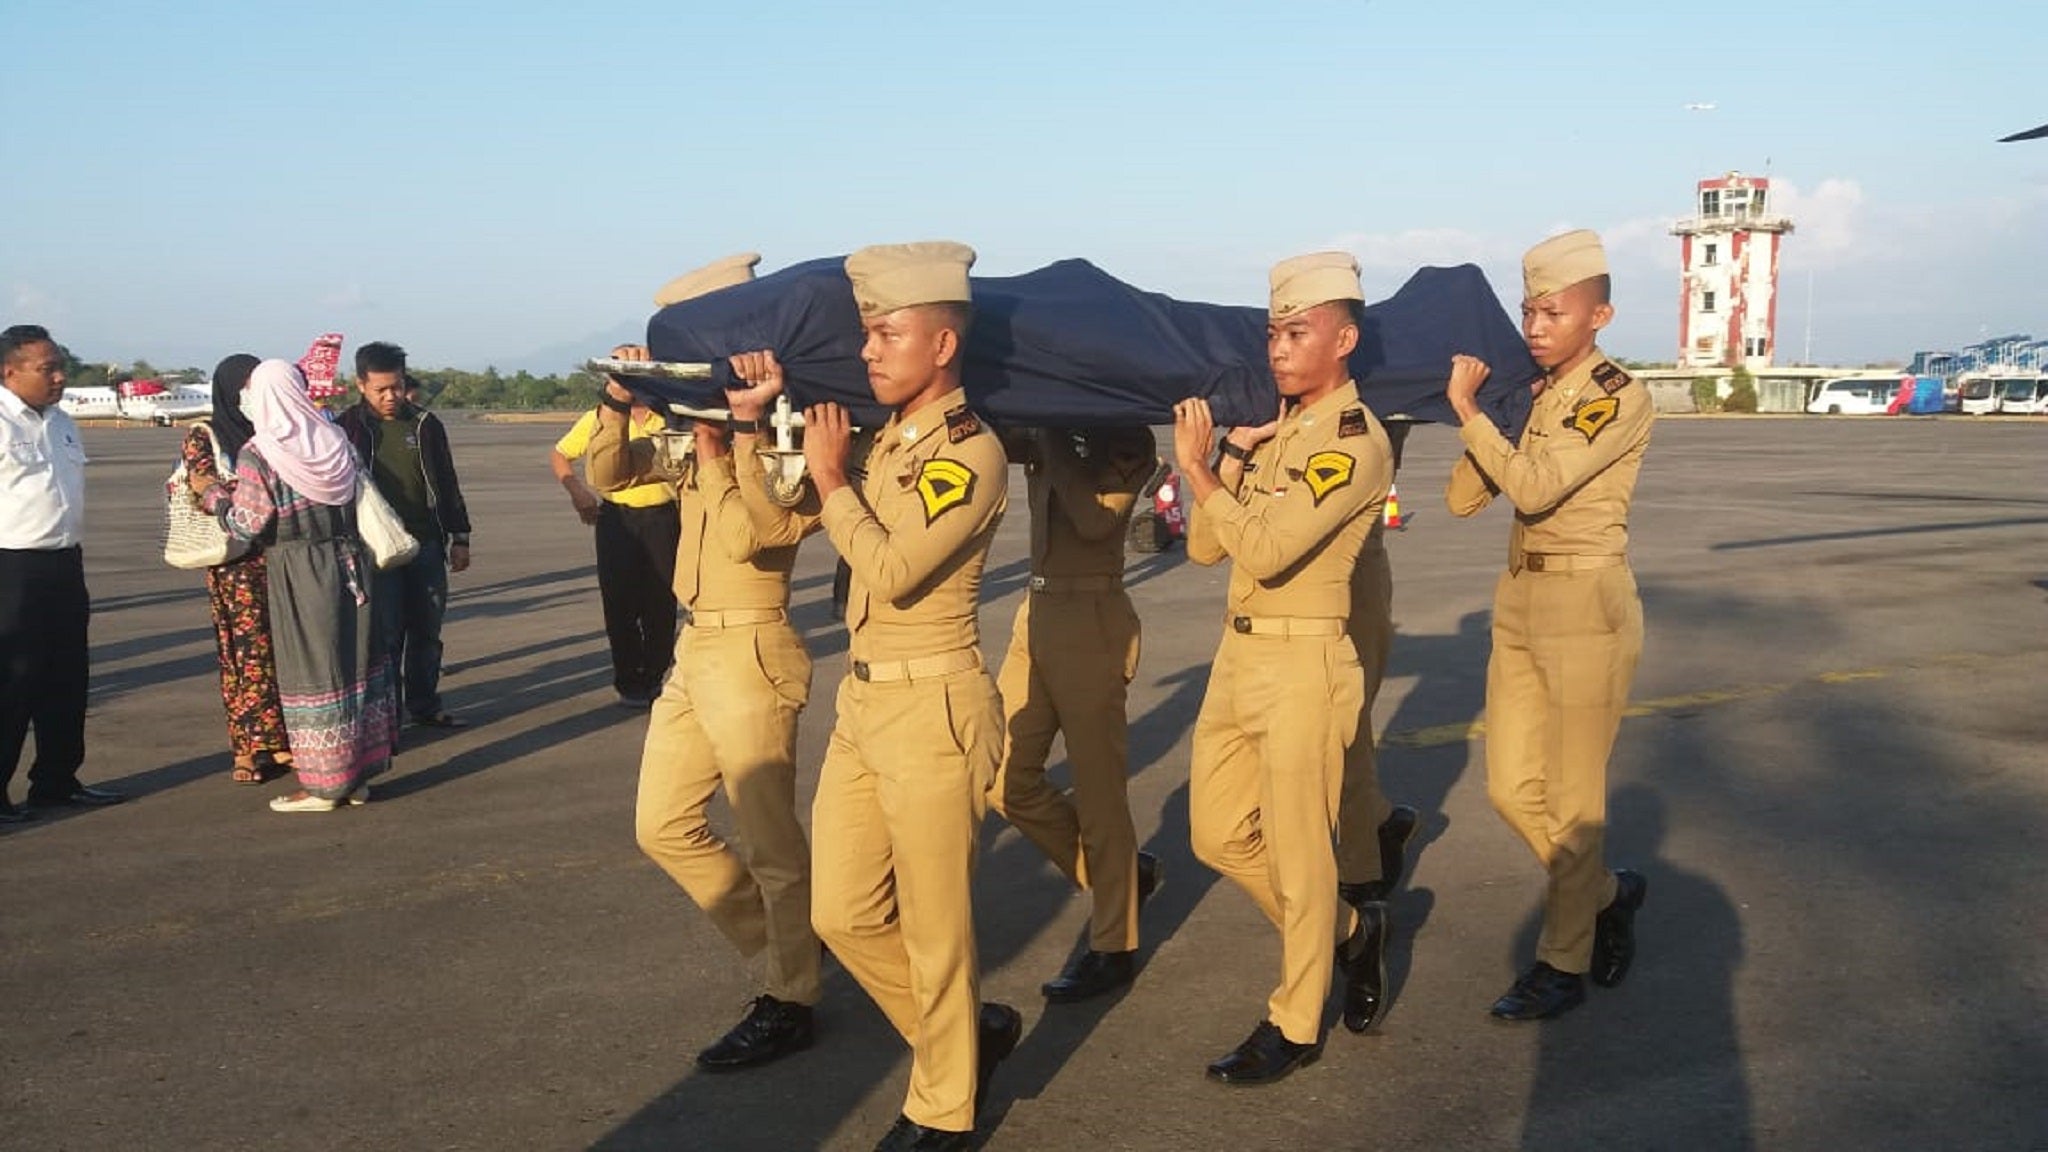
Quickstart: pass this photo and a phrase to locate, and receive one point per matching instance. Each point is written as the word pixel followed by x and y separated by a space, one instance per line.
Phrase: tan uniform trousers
pixel 901 797
pixel 1364 806
pixel 728 716
pixel 1263 793
pixel 1564 653
pixel 1070 661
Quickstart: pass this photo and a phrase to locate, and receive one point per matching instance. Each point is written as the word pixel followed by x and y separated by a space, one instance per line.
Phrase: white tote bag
pixel 381 527
pixel 192 539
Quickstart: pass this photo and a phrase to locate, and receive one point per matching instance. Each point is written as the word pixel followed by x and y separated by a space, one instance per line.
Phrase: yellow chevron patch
pixel 1593 417
pixel 1326 472
pixel 943 484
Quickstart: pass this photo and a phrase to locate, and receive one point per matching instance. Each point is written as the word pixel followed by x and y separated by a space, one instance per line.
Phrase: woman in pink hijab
pixel 295 492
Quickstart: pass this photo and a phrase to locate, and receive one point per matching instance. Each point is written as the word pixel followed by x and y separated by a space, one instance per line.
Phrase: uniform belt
pixel 1288 625
pixel 1565 562
pixel 734 617
pixel 917 668
pixel 1055 585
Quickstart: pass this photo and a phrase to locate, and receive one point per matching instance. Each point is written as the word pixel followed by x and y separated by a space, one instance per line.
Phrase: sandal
pixel 303 802
pixel 247 773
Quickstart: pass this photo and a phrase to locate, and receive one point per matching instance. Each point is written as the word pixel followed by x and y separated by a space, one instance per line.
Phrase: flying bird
pixel 1699 107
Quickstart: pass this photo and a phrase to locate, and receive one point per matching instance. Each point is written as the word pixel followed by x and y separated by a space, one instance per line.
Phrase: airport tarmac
pixel 1836 781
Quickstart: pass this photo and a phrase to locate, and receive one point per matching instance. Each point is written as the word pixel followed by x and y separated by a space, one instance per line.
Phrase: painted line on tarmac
pixel 1441 735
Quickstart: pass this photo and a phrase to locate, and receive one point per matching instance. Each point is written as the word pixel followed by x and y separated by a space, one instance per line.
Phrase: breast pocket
pixel 27 456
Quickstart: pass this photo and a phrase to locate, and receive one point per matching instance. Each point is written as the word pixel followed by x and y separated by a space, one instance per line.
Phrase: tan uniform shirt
pixel 1292 528
pixel 916 532
pixel 1081 508
pixel 737 545
pixel 1575 470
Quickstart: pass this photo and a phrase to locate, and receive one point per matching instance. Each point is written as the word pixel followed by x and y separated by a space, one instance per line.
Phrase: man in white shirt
pixel 43 603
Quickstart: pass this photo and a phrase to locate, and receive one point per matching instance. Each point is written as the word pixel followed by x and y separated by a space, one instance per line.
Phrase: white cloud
pixel 1827 222
pixel 350 297
pixel 28 304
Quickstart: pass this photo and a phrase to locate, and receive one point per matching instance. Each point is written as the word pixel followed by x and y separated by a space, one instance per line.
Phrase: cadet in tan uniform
pixel 1290 508
pixel 1567 624
pixel 727 716
pixel 1372 832
pixel 905 781
pixel 1073 651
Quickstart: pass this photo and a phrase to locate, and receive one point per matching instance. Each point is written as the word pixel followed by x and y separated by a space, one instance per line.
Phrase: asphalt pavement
pixel 1835 779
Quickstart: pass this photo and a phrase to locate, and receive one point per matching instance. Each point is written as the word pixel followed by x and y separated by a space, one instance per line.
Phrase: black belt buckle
pixel 1241 624
pixel 1533 562
pixel 860 670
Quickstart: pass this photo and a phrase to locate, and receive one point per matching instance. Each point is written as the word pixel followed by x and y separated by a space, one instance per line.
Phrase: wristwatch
pixel 615 404
pixel 751 427
pixel 1234 452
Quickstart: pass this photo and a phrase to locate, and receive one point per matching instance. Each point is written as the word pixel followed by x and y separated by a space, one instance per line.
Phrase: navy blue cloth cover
pixel 1069 345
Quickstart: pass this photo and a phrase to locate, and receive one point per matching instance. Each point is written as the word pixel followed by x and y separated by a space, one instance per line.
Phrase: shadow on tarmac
pixel 1449 692
pixel 1665 1042
pixel 1876 533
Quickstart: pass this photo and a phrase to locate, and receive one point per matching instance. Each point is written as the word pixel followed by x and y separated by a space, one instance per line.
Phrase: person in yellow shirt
pixel 636 531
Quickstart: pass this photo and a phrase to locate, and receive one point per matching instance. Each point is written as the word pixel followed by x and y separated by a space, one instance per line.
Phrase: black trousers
pixel 43 661
pixel 636 575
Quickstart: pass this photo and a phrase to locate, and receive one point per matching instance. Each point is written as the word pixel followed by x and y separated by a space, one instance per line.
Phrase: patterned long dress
pixel 333 679
pixel 239 593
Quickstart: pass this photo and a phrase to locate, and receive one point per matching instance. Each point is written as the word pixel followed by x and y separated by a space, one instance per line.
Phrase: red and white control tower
pixel 1728 300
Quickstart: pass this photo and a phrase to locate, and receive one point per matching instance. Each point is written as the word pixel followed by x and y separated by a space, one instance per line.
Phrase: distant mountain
pixel 559 359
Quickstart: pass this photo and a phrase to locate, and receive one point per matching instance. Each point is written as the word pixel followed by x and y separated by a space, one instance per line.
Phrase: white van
pixel 1854 396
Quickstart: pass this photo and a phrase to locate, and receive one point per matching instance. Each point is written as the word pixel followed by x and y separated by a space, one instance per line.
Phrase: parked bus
pixel 1854 396
pixel 1982 393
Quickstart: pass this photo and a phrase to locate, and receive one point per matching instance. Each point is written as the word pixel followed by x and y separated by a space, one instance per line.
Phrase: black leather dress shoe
pixel 908 1136
pixel 1614 931
pixel 1090 975
pixel 1364 960
pixel 1394 834
pixel 771 1030
pixel 1151 874
pixel 1541 993
pixel 1265 1056
pixel 1001 1027
pixel 79 797
pixel 9 814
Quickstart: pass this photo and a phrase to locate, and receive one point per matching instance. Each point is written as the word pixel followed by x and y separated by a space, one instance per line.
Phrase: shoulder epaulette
pixel 1609 376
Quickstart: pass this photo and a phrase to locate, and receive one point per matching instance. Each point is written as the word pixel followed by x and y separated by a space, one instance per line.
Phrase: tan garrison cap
pixel 891 276
pixel 735 269
pixel 1562 261
pixel 1303 282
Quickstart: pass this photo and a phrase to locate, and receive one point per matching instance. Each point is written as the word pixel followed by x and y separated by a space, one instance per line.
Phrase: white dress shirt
pixel 42 477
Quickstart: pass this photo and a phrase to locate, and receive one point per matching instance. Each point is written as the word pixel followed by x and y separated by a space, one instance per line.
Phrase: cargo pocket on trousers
pixel 784 664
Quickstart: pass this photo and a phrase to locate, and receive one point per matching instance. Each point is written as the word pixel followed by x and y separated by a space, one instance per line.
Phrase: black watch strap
pixel 615 404
pixel 1234 452
pixel 751 427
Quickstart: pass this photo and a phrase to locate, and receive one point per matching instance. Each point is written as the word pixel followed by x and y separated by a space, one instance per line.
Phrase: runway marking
pixel 1441 735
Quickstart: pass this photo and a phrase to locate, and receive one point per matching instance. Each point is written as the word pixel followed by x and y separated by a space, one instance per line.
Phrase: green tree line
pixel 439 387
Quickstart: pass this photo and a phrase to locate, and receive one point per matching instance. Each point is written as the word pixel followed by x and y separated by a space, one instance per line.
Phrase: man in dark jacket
pixel 406 448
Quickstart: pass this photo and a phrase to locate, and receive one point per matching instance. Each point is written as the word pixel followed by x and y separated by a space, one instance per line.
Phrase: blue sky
pixel 482 181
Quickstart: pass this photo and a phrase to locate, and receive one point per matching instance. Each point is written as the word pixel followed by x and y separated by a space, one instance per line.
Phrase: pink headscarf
pixel 298 440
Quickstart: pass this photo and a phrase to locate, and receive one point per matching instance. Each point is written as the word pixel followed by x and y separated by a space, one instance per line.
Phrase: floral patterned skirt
pixel 240 594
